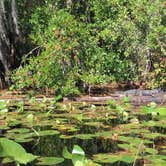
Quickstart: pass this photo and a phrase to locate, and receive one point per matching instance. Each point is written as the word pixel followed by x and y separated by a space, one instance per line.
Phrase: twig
pixel 29 53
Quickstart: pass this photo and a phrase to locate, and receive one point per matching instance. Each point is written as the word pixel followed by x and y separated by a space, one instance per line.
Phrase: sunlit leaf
pixel 19 130
pixel 47 132
pixel 7 160
pixel 13 150
pixel 106 158
pixel 49 160
pixel 85 136
pixel 66 153
pixel 127 158
pixel 151 150
pixel 78 150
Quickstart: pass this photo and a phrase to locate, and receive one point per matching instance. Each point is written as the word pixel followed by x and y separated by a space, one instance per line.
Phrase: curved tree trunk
pixel 9 35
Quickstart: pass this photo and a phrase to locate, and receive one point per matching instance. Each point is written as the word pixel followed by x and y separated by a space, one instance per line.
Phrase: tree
pixel 83 43
pixel 9 37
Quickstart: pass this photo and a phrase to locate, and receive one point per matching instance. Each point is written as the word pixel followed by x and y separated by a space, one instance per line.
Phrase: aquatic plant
pixel 153 110
pixel 15 152
pixel 78 157
pixel 3 107
pixel 120 108
pixel 49 160
pixel 20 106
pixel 112 104
pixel 112 138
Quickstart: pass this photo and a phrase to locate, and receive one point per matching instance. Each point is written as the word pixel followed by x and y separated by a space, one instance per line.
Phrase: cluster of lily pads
pixel 96 133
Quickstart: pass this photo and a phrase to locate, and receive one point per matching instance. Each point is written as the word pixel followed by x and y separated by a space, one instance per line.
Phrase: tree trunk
pixel 9 35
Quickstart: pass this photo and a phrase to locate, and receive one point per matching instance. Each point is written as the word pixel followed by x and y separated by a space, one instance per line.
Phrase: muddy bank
pixel 137 97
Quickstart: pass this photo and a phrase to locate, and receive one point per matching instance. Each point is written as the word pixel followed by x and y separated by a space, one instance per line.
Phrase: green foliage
pixel 14 151
pixel 112 104
pixel 3 107
pixel 87 43
pixel 121 108
pixel 154 110
pixel 77 156
pixel 50 161
pixel 20 106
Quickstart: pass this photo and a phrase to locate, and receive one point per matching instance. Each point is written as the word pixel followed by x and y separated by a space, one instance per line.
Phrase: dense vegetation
pixel 67 47
pixel 81 43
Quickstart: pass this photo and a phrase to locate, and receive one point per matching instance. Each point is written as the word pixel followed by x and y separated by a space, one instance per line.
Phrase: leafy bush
pixel 86 43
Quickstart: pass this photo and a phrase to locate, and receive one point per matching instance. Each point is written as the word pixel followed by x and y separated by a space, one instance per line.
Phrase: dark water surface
pixel 110 134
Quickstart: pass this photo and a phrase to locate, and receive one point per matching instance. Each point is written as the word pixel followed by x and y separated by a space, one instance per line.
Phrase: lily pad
pixel 161 111
pixel 27 137
pixel 112 158
pixel 151 150
pixel 94 124
pixel 128 147
pixel 47 132
pixel 127 158
pixel 19 130
pixel 128 139
pixel 104 134
pixel 105 158
pixel 49 160
pixel 66 127
pixel 23 140
pixel 66 136
pixel 85 136
pixel 157 160
pixel 20 135
pixel 153 135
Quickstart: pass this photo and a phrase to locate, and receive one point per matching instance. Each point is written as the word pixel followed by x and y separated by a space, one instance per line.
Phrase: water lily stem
pixel 17 164
pixel 136 156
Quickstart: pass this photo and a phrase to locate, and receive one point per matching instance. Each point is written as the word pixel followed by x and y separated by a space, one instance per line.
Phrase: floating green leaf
pixel 47 132
pixel 85 136
pixel 49 160
pixel 151 150
pixel 127 158
pixel 128 147
pixel 156 160
pixel 66 136
pixel 106 158
pixel 19 130
pixel 112 158
pixel 161 111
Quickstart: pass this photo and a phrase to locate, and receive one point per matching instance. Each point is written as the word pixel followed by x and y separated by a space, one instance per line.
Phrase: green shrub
pixel 94 42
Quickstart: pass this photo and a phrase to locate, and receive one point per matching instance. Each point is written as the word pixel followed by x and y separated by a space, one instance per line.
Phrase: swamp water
pixel 109 134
